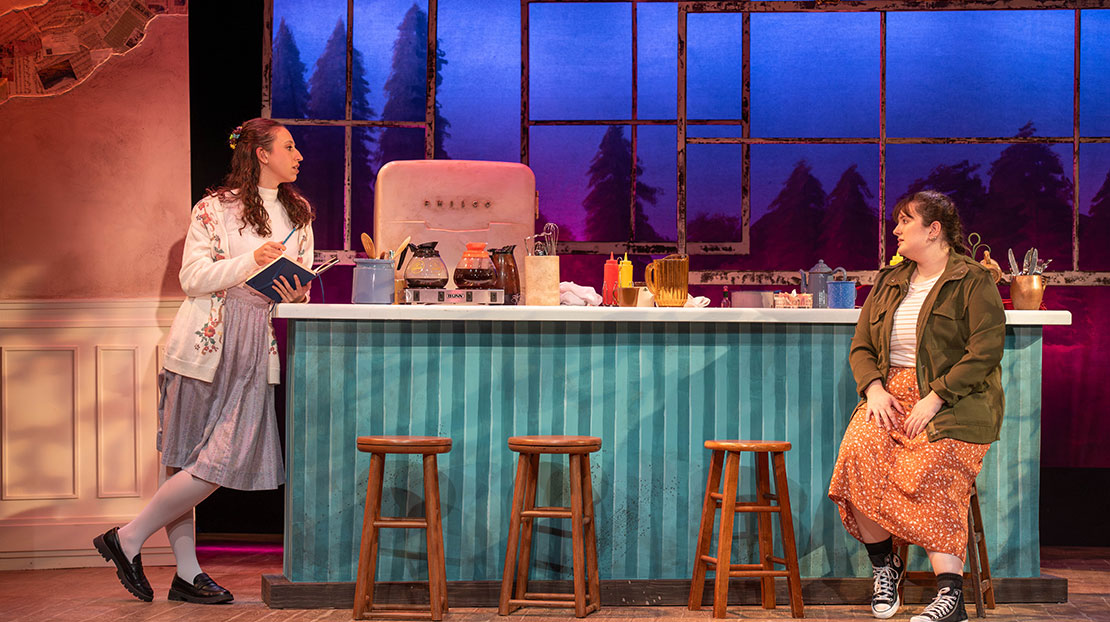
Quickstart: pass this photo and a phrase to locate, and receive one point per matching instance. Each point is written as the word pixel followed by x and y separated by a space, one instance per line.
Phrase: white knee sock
pixel 178 495
pixel 183 543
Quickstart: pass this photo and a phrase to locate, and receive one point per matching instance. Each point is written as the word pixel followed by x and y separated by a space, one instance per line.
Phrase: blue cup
pixel 373 282
pixel 842 294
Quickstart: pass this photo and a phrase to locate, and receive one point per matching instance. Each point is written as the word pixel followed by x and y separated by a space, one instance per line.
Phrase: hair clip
pixel 233 137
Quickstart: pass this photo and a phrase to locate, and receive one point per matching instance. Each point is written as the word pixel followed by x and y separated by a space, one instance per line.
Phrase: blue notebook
pixel 262 281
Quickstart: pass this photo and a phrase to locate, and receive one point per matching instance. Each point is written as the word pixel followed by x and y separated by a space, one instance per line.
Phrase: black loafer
pixel 130 573
pixel 203 590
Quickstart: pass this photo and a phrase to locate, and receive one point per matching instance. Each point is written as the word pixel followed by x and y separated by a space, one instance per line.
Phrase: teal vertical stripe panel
pixel 654 392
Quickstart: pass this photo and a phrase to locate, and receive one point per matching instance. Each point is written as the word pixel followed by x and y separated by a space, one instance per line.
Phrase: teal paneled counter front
pixel 654 384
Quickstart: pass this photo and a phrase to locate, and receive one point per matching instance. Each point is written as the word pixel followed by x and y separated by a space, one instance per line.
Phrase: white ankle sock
pixel 178 495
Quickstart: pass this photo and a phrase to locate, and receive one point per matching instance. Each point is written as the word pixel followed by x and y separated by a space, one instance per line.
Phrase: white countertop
pixel 610 314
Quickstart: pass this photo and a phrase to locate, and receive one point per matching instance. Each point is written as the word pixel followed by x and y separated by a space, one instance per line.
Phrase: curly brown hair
pixel 241 184
pixel 934 206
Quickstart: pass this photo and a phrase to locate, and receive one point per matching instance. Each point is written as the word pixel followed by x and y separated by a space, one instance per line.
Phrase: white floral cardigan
pixel 195 342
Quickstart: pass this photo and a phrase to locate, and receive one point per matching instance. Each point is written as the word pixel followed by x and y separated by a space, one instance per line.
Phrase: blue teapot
pixel 815 281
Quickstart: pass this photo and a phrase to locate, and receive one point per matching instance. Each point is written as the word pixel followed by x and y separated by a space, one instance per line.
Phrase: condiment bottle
pixel 609 281
pixel 625 272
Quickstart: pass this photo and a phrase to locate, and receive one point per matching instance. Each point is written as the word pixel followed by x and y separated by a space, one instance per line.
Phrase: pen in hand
pixel 288 236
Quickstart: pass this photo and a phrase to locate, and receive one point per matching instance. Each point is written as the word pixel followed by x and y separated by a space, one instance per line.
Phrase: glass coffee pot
pixel 508 277
pixel 426 269
pixel 475 270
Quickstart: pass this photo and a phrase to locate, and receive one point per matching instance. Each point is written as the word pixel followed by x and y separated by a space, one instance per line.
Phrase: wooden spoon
pixel 368 246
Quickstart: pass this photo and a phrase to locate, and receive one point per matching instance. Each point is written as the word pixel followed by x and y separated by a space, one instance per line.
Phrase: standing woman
pixel 216 420
pixel 925 357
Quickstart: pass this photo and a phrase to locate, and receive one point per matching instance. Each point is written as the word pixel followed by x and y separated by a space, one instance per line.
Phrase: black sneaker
pixel 885 596
pixel 948 606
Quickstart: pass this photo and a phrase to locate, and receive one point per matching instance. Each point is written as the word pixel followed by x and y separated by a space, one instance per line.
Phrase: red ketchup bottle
pixel 609 282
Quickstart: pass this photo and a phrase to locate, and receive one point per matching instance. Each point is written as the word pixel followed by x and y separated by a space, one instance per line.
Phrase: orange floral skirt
pixel 917 490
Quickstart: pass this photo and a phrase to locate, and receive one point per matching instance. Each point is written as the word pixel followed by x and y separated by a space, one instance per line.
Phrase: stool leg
pixel 577 536
pixel 724 536
pixel 368 548
pixel 973 563
pixel 591 535
pixel 514 535
pixel 766 538
pixel 786 522
pixel 705 531
pixel 981 541
pixel 528 527
pixel 437 567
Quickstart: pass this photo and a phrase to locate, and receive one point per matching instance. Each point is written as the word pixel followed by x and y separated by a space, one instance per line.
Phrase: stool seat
pixel 760 446
pixel 423 445
pixel 554 444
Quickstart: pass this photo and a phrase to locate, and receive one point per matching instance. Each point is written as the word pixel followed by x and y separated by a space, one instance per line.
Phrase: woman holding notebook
pixel 217 425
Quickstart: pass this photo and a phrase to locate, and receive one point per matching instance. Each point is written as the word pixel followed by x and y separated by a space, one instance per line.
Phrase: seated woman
pixel 926 358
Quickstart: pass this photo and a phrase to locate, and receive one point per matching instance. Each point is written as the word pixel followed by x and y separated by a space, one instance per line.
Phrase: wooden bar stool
pixel 587 587
pixel 726 456
pixel 378 447
pixel 978 578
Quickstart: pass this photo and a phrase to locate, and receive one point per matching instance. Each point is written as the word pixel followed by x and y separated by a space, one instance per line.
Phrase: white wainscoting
pixel 78 420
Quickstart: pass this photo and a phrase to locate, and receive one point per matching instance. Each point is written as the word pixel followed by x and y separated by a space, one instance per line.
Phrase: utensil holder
pixel 1027 291
pixel 541 280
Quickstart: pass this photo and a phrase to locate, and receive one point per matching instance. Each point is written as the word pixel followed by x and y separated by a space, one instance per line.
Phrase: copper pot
pixel 1026 291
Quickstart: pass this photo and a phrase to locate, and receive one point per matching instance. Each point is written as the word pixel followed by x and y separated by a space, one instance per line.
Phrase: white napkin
pixel 696 301
pixel 575 295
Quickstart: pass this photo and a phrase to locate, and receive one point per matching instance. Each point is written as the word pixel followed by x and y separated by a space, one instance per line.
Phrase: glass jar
pixel 475 270
pixel 426 269
pixel 508 277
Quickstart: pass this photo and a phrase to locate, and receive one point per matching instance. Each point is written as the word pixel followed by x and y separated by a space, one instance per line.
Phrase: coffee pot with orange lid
pixel 475 270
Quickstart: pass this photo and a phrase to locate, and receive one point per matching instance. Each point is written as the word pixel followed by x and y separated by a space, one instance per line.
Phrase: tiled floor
pixel 94 594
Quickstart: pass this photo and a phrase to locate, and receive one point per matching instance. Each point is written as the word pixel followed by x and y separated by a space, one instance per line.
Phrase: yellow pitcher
pixel 667 279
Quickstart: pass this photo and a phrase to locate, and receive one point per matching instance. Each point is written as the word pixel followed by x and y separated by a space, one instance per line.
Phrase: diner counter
pixel 610 314
pixel 653 384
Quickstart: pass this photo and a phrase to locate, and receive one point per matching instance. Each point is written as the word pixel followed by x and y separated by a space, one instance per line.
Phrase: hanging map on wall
pixel 50 48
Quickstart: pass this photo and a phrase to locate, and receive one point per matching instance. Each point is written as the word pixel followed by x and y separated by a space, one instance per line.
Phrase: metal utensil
pixel 1027 263
pixel 1035 262
pixel 1013 264
pixel 1041 267
pixel 551 230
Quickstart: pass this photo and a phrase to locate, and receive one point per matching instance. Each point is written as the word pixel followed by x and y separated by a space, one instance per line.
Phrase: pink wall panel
pixel 94 183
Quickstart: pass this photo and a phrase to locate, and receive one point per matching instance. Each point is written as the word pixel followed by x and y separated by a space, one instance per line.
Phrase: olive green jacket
pixel 960 334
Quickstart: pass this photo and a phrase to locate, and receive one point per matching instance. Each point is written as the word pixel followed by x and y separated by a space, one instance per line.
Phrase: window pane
pixel 713 175
pixel 807 65
pixel 1094 81
pixel 813 202
pixel 561 158
pixel 714 60
pixel 657 47
pixel 979 73
pixel 309 48
pixel 321 181
pixel 389 72
pixel 580 61
pixel 480 40
pixel 658 181
pixel 1014 196
pixel 1094 209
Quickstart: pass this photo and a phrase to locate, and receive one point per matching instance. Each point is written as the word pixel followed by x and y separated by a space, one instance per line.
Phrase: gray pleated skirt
pixel 225 431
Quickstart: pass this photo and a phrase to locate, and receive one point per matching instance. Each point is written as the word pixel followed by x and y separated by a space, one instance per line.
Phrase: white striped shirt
pixel 903 336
